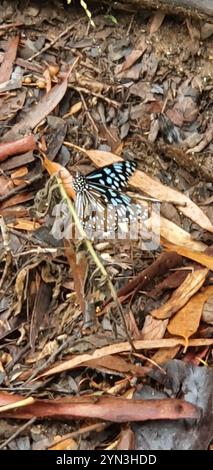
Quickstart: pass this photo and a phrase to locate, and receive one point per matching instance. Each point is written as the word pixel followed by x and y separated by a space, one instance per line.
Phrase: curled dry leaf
pixel 181 296
pixel 186 322
pixel 201 258
pixel 54 168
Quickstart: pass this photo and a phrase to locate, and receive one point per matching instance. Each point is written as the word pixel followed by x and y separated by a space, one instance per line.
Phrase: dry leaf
pixel 79 268
pixel 24 224
pixel 201 258
pixel 76 361
pixel 54 168
pixel 207 314
pixel 181 296
pixel 153 328
pixel 186 322
pixel 156 22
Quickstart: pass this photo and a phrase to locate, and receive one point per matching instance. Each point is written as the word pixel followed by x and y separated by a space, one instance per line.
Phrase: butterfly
pixel 99 196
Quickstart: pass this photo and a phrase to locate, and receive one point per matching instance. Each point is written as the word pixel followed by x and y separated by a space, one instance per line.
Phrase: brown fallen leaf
pixel 164 355
pixel 117 364
pixel 201 258
pixel 79 268
pixel 172 281
pixel 134 55
pixel 18 174
pixel 158 268
pixel 54 168
pixel 24 224
pixel 156 22
pixel 175 234
pixel 112 409
pixel 186 322
pixel 65 444
pixel 181 295
pixel 76 361
pixel 126 440
pixel 39 111
pixel 9 58
pixel 6 185
pixel 17 199
pixel 42 301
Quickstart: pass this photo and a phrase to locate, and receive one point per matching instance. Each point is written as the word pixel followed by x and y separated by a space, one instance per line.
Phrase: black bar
pixel 89 459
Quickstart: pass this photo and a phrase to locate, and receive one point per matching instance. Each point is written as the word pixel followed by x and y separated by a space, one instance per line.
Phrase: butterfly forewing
pixel 113 176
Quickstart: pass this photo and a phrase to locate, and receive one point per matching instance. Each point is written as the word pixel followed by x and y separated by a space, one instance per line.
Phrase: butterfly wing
pixel 101 203
pixel 115 176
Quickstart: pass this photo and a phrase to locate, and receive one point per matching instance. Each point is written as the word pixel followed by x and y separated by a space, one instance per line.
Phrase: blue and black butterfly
pixel 102 189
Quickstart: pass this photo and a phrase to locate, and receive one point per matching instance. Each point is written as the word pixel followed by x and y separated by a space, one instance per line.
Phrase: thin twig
pixel 93 93
pixel 19 431
pixel 95 257
pixel 88 113
pixel 97 427
pixel 52 43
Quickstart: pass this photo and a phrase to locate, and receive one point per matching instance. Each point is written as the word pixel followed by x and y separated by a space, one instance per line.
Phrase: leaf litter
pixel 83 325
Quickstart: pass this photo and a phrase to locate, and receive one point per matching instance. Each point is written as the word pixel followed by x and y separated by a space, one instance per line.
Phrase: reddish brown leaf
pixel 9 57
pixel 79 267
pixel 113 409
pixel 76 361
pixel 19 146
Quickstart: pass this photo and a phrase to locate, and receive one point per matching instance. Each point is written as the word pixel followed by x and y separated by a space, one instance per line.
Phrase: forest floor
pixel 92 329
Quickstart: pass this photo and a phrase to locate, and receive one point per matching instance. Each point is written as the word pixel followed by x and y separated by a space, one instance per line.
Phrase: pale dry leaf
pixel 181 295
pixel 186 322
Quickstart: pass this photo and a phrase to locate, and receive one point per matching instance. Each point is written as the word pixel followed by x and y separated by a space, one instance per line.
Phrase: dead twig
pixel 53 42
pixel 16 433
pixel 93 93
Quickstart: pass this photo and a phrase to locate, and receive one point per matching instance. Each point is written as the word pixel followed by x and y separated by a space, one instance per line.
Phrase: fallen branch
pixel 198 9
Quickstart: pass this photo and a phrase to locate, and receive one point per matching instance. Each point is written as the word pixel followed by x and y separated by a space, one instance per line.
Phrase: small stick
pixel 93 93
pixel 52 43
pixel 19 431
